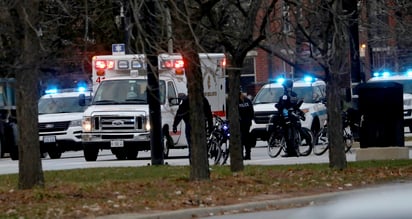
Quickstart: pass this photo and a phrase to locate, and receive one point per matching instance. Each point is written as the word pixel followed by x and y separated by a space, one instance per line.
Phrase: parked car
pixel 313 92
pixel 60 118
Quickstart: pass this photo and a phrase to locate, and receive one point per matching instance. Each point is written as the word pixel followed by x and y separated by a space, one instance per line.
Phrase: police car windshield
pixel 131 91
pixel 271 94
pixel 61 105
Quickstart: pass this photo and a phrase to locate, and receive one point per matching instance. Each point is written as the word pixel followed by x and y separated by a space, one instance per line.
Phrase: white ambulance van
pixel 118 116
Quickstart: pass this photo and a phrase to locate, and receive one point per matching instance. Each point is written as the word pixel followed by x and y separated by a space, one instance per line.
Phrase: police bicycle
pixel 287 133
pixel 218 141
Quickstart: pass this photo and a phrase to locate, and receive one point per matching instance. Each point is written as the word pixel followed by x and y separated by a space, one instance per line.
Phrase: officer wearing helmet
pixel 288 100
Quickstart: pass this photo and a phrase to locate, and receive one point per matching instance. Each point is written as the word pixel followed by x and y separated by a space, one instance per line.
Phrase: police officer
pixel 183 113
pixel 246 115
pixel 288 100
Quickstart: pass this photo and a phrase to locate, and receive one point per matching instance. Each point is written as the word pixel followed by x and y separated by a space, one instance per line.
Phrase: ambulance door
pixel 169 111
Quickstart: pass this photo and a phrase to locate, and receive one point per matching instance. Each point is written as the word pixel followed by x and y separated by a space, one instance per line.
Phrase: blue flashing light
pixel 375 74
pixel 386 74
pixel 280 80
pixel 82 89
pixel 51 91
pixel 409 73
pixel 308 79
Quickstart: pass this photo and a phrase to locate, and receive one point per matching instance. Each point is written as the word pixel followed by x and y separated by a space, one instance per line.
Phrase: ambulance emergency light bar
pixel 172 61
pixel 124 63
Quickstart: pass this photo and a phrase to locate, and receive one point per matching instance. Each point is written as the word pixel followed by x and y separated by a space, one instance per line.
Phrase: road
pixel 74 160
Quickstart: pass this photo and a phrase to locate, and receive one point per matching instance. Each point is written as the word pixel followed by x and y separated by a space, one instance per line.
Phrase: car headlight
pixel 147 126
pixel 76 123
pixel 87 124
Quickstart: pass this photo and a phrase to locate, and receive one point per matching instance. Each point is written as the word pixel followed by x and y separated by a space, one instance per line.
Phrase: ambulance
pixel 117 118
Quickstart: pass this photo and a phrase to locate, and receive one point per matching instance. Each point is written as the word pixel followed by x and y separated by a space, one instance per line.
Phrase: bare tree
pixel 25 16
pixel 239 26
pixel 324 27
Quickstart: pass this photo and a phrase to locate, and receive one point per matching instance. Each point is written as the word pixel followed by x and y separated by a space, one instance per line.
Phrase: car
pixel 60 118
pixel 313 92
pixel 406 81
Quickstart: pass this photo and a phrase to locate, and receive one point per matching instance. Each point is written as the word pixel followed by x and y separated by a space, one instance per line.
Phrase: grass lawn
pixel 92 192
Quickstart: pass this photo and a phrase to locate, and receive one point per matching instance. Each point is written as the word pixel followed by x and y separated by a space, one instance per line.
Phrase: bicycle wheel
pixel 306 142
pixel 275 144
pixel 225 151
pixel 348 139
pixel 214 150
pixel 321 142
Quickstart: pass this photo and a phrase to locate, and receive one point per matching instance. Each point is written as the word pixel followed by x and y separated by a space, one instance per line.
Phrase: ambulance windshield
pixel 133 91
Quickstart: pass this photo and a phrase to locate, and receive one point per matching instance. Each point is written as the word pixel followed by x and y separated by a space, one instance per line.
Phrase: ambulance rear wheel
pixel 167 143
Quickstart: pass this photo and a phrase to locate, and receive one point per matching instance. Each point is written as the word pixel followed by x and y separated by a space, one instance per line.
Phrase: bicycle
pixel 322 142
pixel 284 134
pixel 218 141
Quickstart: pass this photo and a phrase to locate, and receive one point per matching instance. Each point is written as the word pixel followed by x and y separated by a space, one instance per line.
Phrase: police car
pixel 313 92
pixel 60 118
pixel 406 81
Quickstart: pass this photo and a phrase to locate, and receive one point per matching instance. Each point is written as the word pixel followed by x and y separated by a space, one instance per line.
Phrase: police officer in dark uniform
pixel 183 113
pixel 288 100
pixel 246 115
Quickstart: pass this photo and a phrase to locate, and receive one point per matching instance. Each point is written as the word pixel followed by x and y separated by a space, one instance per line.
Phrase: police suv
pixel 60 119
pixel 406 81
pixel 313 92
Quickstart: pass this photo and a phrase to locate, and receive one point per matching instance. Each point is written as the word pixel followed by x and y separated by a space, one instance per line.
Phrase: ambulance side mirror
pixel 174 101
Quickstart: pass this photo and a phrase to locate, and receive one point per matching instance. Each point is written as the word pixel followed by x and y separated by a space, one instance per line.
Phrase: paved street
pixel 73 160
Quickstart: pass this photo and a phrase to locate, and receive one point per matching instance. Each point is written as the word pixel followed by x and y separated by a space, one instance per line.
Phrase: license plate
pixel 49 139
pixel 116 144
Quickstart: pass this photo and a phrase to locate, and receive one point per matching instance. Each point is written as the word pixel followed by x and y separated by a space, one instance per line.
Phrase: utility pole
pixel 153 96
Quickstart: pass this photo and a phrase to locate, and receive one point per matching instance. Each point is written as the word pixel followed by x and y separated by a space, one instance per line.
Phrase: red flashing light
pixel 223 63
pixel 179 64
pixel 103 64
pixel 168 64
pixel 100 64
pixel 110 64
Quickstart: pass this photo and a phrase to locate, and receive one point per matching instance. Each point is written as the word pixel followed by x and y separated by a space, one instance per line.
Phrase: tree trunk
pixel 30 167
pixel 338 63
pixel 337 156
pixel 236 150
pixel 199 168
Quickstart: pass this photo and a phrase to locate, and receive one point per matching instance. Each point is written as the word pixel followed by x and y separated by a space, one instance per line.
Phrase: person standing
pixel 183 114
pixel 288 100
pixel 246 114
